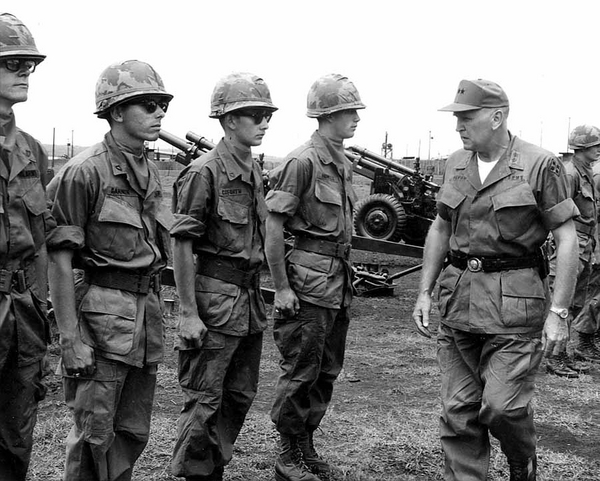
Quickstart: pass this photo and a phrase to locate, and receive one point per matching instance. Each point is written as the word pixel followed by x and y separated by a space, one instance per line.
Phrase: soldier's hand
pixel 286 303
pixel 77 357
pixel 192 330
pixel 555 334
pixel 421 314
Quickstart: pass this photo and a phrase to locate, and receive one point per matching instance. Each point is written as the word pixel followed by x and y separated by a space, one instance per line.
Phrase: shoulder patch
pixel 555 166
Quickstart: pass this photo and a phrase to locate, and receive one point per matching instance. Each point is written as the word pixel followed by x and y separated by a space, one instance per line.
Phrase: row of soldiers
pixel 105 235
pixel 102 233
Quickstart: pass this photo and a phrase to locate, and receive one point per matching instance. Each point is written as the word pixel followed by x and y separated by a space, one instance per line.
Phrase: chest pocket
pixel 584 200
pixel 515 211
pixel 231 226
pixel 449 199
pixel 35 203
pixel 120 229
pixel 324 210
pixel 164 222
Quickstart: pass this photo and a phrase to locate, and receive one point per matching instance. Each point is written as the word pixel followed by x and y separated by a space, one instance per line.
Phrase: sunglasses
pixel 256 114
pixel 18 64
pixel 151 105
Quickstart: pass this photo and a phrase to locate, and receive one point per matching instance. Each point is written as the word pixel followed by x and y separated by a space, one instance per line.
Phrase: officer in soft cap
pixel 500 199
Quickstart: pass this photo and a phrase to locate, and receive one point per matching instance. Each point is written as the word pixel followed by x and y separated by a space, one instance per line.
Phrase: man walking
pixel 500 198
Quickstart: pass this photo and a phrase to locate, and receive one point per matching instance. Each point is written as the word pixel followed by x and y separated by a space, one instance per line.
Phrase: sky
pixel 406 58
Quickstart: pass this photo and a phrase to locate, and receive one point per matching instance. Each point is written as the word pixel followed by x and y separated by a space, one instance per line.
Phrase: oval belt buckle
pixel 474 264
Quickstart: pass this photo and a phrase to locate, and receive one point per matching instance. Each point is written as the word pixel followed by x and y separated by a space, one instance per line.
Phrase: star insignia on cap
pixel 461 91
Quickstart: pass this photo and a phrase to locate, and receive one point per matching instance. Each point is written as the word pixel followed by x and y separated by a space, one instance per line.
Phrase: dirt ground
pixel 382 424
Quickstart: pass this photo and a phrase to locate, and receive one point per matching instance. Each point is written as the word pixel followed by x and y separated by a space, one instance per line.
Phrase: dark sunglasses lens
pixel 152 105
pixel 256 115
pixel 17 64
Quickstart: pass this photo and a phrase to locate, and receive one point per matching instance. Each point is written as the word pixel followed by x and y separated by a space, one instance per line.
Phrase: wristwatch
pixel 560 312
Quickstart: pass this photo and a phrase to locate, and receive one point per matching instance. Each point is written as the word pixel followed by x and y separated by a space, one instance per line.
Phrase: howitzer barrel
pixel 370 159
pixel 193 149
pixel 199 141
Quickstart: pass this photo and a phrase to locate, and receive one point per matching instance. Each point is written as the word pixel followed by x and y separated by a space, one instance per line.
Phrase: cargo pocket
pixel 108 317
pixel 448 282
pixel 215 300
pixel 523 299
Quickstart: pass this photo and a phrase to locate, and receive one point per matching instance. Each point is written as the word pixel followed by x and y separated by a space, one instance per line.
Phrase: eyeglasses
pixel 18 64
pixel 150 104
pixel 256 114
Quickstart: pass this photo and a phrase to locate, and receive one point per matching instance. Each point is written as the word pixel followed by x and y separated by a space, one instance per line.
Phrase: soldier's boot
pixel 313 460
pixel 523 471
pixel 587 349
pixel 559 366
pixel 290 465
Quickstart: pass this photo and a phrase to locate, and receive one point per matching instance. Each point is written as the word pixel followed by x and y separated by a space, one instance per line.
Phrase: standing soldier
pixel 500 198
pixel 312 197
pixel 23 261
pixel 112 224
pixel 585 141
pixel 219 232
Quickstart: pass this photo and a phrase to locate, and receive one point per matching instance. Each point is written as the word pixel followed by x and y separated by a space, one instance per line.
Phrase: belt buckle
pixel 343 250
pixel 474 264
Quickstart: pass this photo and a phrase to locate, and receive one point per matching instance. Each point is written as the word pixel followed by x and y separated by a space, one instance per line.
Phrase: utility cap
pixel 477 94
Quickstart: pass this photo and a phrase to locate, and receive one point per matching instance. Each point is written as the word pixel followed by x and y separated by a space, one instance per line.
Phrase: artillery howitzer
pixel 401 205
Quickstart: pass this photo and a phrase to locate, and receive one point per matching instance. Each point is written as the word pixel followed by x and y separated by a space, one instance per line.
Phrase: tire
pixel 380 216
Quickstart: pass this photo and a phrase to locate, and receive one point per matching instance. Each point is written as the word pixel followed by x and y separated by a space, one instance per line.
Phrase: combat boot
pixel 289 465
pixel 586 348
pixel 315 463
pixel 523 471
pixel 559 366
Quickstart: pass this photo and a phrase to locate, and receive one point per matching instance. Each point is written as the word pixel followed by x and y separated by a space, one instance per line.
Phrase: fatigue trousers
pixel 219 383
pixel 111 411
pixel 21 389
pixel 487 387
pixel 312 347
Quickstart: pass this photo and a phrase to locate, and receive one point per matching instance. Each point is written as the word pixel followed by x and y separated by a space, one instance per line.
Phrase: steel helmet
pixel 332 93
pixel 124 80
pixel 584 136
pixel 239 90
pixel 16 39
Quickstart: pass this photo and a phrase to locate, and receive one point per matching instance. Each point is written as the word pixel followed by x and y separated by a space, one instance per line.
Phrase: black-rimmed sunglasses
pixel 18 64
pixel 256 114
pixel 150 104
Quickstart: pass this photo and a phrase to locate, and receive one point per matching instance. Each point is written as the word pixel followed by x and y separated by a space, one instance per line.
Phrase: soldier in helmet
pixel 585 141
pixel 112 224
pixel 219 233
pixel 312 198
pixel 500 198
pixel 23 261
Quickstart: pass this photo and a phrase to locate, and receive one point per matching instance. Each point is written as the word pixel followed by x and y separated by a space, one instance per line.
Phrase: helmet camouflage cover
pixel 16 39
pixel 332 93
pixel 239 90
pixel 125 80
pixel 584 136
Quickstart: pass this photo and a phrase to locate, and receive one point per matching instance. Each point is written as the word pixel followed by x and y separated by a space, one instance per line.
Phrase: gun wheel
pixel 380 216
